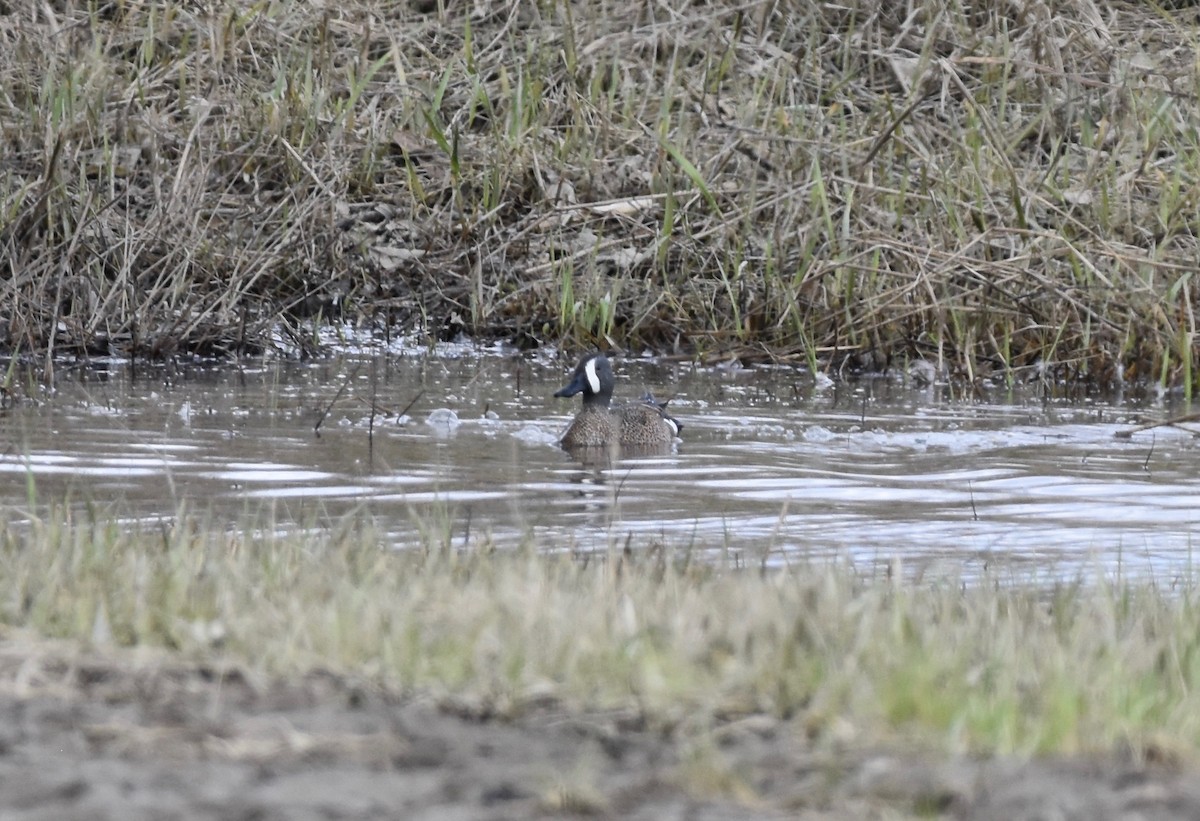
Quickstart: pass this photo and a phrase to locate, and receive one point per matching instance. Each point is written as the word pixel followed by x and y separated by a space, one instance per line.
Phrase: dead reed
pixel 1004 190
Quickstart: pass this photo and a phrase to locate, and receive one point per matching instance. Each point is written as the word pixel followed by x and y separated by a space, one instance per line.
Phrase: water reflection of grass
pixel 989 667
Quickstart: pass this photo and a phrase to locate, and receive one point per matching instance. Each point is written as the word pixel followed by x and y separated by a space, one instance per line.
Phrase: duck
pixel 641 424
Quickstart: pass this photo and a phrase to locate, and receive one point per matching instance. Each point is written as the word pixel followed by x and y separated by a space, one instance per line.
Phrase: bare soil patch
pixel 96 736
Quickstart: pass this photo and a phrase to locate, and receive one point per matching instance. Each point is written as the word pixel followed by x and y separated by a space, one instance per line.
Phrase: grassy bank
pixel 988 667
pixel 1000 191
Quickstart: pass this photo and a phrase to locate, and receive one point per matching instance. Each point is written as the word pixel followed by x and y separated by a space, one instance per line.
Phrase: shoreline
pixel 82 724
pixel 746 186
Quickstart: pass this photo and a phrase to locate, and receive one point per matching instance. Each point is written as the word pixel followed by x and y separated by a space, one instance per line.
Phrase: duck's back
pixel 646 423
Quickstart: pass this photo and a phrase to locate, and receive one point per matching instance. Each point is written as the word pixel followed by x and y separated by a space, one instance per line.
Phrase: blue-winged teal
pixel 635 424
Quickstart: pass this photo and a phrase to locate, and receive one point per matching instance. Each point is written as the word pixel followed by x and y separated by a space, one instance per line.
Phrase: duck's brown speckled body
pixel 641 424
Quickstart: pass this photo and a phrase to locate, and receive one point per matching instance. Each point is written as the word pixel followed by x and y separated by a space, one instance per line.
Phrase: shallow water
pixel 772 466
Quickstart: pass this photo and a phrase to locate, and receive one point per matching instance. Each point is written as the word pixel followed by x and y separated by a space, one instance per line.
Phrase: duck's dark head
pixel 593 378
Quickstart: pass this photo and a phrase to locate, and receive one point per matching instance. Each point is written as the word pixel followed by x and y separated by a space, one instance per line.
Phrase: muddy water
pixel 772 466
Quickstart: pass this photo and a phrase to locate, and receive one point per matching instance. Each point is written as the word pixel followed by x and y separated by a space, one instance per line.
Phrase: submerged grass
pixel 986 667
pixel 1004 190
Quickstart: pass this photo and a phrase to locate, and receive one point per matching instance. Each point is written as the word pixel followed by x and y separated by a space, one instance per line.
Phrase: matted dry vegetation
pixel 995 187
pixel 995 666
pixel 277 667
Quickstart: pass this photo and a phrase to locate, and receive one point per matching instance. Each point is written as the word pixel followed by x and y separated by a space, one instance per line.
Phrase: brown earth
pixel 100 736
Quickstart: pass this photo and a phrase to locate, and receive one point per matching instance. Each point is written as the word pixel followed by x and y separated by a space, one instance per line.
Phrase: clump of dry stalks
pixel 997 188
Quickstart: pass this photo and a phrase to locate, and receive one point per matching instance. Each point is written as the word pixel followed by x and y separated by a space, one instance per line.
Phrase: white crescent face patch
pixel 593 378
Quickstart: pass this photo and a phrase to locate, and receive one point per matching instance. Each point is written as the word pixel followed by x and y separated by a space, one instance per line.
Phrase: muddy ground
pixel 98 736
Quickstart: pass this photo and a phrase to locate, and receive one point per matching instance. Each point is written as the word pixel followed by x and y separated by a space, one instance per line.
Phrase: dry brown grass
pixel 1005 189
